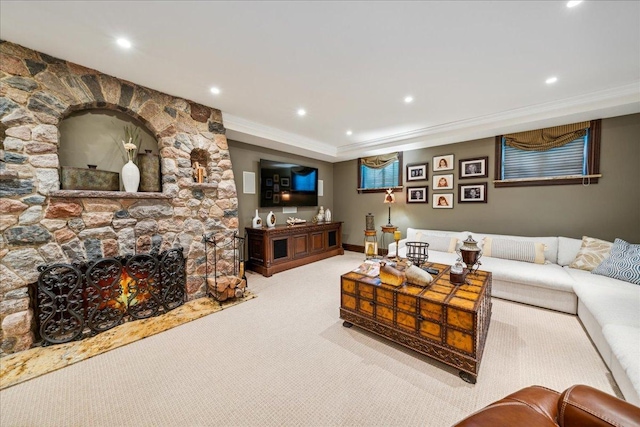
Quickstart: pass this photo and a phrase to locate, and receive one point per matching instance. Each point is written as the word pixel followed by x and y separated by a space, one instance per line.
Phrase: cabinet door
pixel 280 249
pixel 317 241
pixel 256 248
pixel 300 244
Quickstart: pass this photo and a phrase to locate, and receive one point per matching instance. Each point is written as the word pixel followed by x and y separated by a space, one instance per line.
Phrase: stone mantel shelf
pixel 107 194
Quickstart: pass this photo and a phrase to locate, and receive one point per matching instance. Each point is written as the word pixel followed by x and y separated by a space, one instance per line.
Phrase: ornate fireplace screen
pixel 83 299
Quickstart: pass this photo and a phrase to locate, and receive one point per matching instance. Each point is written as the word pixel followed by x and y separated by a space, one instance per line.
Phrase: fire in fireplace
pixel 82 299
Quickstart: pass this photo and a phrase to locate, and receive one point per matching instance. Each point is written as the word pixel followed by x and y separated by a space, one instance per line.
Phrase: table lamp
pixel 389 198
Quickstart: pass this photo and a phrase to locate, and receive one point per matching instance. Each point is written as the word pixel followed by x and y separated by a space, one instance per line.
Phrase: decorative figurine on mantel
pixel 199 173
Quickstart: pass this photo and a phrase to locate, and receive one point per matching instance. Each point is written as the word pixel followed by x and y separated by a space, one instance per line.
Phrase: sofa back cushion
pixel 551 243
pixel 437 243
pixel 592 252
pixel 517 250
pixel 567 250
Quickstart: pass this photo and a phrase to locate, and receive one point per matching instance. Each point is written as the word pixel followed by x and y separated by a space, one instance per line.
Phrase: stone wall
pixel 41 224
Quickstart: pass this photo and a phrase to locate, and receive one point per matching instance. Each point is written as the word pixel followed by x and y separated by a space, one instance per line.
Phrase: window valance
pixel 545 139
pixel 379 162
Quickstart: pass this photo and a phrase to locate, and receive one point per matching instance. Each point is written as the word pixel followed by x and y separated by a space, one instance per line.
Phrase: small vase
pixel 130 177
pixel 257 221
pixel 271 219
pixel 327 215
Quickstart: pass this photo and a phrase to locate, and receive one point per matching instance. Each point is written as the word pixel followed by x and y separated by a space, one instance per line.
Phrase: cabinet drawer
pixel 406 321
pixel 365 291
pixel 366 307
pixel 348 286
pixel 348 302
pixel 384 314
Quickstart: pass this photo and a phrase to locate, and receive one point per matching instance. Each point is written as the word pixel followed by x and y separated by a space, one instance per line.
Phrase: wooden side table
pixel 387 229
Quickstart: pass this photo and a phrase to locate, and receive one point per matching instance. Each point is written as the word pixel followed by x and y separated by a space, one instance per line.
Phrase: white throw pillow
pixel 437 243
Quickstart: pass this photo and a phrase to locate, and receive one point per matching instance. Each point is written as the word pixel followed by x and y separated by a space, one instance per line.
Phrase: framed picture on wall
pixel 268 182
pixel 268 194
pixel 443 201
pixel 417 195
pixel 276 198
pixel 443 182
pixel 473 168
pixel 472 193
pixel 418 172
pixel 443 163
pixel 284 182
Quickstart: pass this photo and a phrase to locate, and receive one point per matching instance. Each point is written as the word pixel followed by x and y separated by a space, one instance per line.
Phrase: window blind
pixel 567 160
pixel 380 178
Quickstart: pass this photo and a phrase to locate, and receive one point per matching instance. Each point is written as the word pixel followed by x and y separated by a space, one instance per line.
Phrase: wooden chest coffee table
pixel 446 322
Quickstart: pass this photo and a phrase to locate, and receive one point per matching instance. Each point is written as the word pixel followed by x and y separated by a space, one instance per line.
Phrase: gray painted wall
pixel 246 158
pixel 605 210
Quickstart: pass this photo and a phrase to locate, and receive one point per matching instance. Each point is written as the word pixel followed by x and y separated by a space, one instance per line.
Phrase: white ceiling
pixel 475 68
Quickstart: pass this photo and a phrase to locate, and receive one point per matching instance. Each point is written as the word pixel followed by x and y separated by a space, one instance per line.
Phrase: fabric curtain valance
pixel 545 139
pixel 379 162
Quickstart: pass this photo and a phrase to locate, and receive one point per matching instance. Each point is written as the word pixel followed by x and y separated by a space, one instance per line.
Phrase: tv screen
pixel 287 184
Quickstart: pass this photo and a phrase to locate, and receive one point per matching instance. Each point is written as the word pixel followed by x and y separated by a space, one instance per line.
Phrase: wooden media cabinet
pixel 272 250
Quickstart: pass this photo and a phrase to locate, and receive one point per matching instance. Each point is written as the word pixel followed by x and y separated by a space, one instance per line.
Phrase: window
pixel 561 155
pixel 378 173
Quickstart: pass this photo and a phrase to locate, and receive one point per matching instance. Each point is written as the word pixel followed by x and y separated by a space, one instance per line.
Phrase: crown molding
pixel 611 102
pixel 296 144
pixel 609 98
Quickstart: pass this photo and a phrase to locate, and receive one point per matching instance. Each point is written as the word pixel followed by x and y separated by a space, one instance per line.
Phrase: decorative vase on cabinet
pixel 271 219
pixel 130 177
pixel 257 221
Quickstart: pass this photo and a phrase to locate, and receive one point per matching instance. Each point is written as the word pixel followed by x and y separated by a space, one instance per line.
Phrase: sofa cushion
pixel 437 243
pixel 592 252
pixel 610 301
pixel 567 250
pixel 550 276
pixel 550 252
pixel 622 264
pixel 516 250
pixel 625 345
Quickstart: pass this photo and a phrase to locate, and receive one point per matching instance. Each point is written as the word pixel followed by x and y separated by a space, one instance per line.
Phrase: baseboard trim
pixel 358 248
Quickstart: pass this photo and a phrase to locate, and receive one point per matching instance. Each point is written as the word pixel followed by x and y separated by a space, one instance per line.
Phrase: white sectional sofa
pixel 609 309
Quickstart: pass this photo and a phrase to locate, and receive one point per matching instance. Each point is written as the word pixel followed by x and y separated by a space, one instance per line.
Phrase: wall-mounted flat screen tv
pixel 287 184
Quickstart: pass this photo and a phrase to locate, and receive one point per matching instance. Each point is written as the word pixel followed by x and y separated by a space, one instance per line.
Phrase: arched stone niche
pixel 40 224
pixel 95 137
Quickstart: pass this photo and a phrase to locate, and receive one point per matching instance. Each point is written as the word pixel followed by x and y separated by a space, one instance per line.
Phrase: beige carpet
pixel 284 359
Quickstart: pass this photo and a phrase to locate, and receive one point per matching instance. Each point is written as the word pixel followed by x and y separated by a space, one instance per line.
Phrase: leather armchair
pixel 578 406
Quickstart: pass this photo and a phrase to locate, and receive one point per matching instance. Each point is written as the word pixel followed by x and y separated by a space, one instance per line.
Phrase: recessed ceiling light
pixel 551 80
pixel 573 3
pixel 215 91
pixel 349 133
pixel 302 112
pixel 123 43
pixel 408 99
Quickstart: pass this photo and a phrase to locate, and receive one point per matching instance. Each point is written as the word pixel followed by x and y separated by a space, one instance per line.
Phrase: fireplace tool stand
pixel 224 284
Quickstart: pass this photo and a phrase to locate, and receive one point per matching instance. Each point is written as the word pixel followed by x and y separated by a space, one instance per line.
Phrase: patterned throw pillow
pixel 591 253
pixel 623 264
pixel 517 250
pixel 438 243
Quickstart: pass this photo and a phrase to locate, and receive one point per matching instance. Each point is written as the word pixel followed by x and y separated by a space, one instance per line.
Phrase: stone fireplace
pixel 41 224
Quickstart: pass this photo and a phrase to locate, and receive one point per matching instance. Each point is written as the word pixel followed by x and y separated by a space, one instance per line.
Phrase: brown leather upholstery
pixel 578 406
pixel 582 405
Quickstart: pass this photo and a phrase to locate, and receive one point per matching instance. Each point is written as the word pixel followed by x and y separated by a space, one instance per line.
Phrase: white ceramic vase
pixel 327 215
pixel 271 219
pixel 130 177
pixel 257 221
